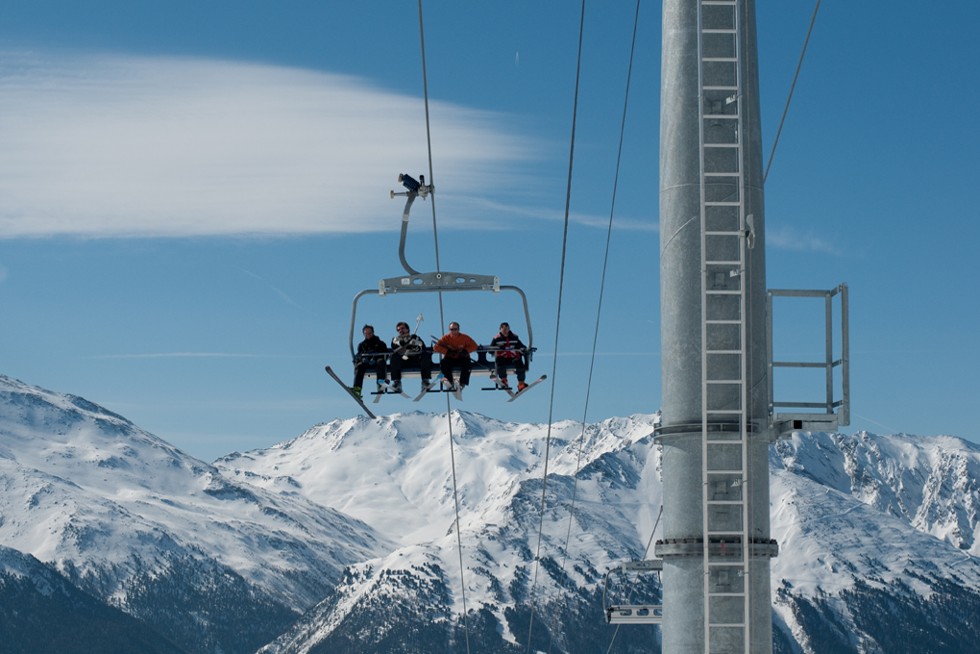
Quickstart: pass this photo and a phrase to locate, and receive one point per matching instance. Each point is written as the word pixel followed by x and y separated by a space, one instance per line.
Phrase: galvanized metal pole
pixel 684 424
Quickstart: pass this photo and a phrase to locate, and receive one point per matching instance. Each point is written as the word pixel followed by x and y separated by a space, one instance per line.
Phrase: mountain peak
pixel 115 508
pixel 384 530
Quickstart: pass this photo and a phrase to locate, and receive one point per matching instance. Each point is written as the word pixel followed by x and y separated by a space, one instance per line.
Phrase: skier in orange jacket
pixel 455 348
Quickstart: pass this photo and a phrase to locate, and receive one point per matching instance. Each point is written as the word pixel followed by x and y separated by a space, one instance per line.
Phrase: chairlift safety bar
pixel 453 284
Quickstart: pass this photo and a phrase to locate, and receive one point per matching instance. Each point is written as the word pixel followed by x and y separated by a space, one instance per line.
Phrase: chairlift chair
pixel 415 281
pixel 630 613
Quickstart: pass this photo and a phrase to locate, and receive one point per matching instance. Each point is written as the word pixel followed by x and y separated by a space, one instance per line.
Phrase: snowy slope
pixel 932 483
pixel 870 524
pixel 40 611
pixel 861 520
pixel 404 488
pixel 354 522
pixel 117 510
pixel 396 473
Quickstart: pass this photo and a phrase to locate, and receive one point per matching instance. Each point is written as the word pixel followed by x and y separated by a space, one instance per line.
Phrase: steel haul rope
pixel 602 286
pixel 554 368
pixel 442 322
pixel 792 86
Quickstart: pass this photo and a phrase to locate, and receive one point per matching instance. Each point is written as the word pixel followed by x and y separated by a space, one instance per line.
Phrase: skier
pixel 404 347
pixel 455 348
pixel 508 351
pixel 370 352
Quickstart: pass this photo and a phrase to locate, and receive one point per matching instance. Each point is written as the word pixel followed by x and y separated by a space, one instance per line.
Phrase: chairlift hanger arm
pixel 416 188
pixel 401 246
pixel 433 281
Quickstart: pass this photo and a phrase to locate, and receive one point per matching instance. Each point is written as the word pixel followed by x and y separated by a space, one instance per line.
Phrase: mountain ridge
pixel 875 504
pixel 866 524
pixel 128 518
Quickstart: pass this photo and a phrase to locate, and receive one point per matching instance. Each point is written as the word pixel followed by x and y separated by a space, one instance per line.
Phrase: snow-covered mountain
pixel 397 473
pixel 41 611
pixel 354 522
pixel 865 524
pixel 878 542
pixel 210 563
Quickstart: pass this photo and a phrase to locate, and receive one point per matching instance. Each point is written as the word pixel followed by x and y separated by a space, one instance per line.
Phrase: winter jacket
pixel 407 344
pixel 455 346
pixel 371 345
pixel 508 347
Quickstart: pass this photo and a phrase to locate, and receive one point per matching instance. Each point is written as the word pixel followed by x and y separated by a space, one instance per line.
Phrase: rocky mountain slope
pixel 345 538
pixel 208 562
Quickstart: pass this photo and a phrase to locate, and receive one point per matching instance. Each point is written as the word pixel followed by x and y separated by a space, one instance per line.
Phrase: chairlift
pixel 415 281
pixel 629 613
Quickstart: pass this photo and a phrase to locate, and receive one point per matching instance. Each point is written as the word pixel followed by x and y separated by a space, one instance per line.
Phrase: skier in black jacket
pixel 370 354
pixel 405 347
pixel 509 351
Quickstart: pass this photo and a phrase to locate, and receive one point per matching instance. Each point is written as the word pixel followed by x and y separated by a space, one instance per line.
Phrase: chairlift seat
pixel 484 363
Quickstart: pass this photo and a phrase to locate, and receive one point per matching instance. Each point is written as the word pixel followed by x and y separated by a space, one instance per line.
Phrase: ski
pixel 385 388
pixel 427 387
pixel 350 392
pixel 456 390
pixel 401 392
pixel 509 391
pixel 528 387
pixel 497 386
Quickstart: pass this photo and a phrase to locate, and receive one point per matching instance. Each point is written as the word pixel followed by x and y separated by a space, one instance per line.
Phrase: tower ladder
pixel 725 237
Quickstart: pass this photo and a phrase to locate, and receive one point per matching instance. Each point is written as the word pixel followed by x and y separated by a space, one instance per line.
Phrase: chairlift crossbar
pixel 635 614
pixel 649 565
pixel 439 281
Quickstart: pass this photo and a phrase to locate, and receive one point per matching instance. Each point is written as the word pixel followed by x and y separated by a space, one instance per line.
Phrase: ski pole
pixel 418 321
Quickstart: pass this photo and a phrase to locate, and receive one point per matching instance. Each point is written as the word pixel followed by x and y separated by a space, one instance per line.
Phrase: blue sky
pixel 191 194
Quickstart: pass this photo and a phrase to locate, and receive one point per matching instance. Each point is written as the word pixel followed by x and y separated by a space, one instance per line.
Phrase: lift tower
pixel 716 545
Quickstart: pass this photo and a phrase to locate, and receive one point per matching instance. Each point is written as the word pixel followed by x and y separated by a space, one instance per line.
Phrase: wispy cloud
pixel 600 354
pixel 783 238
pixel 192 355
pixel 105 146
pixel 484 206
pixel 282 294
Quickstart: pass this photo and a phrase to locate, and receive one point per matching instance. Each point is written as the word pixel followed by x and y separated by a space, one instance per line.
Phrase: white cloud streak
pixel 111 146
pixel 784 238
pixel 193 355
pixel 278 291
